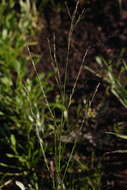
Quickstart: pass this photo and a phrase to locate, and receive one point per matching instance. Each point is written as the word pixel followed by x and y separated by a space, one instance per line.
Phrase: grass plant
pixel 56 167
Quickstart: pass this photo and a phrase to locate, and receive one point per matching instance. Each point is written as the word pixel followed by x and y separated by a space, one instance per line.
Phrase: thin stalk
pixel 41 142
pixel 57 132
pixel 68 11
pixel 69 160
pixel 37 130
pixel 75 142
pixel 42 89
pixel 94 94
pixel 69 45
pixel 76 80
pixel 58 149
pixel 79 17
pixel 54 62
pixel 55 59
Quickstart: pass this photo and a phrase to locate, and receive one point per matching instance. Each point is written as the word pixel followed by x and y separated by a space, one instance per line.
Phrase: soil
pixel 102 31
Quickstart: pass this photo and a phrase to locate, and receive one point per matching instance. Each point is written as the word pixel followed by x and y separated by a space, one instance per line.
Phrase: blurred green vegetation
pixel 21 152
